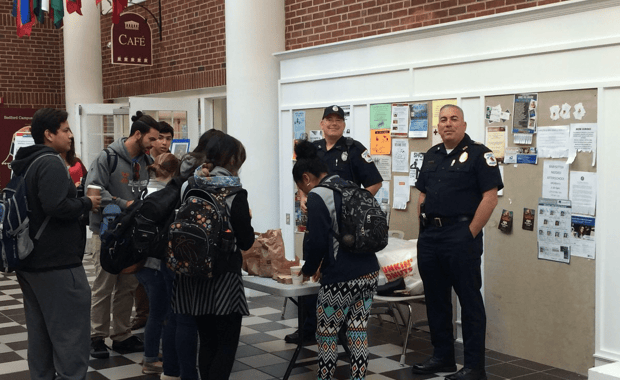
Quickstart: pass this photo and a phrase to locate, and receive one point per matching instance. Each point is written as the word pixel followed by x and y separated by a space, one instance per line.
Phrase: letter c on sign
pixel 120 39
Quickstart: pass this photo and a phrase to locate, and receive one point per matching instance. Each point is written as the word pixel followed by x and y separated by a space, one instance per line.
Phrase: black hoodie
pixel 52 192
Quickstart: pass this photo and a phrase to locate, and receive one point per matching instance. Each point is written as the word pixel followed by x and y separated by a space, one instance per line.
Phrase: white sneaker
pixel 166 377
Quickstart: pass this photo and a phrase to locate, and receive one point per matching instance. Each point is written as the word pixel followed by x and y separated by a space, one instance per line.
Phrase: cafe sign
pixel 132 43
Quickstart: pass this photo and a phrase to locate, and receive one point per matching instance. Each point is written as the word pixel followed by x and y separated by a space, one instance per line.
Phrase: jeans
pixel 159 308
pixel 180 338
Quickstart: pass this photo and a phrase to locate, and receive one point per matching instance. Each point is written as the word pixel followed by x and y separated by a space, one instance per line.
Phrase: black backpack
pixel 363 225
pixel 139 231
pixel 201 236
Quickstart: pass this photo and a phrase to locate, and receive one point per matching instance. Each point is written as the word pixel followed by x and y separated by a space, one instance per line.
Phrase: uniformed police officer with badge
pixel 458 185
pixel 350 160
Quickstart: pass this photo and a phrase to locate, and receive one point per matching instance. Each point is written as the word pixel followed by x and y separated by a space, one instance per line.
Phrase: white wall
pixel 572 45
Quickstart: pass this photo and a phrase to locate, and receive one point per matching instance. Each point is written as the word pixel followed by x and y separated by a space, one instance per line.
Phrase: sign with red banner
pixel 11 120
pixel 132 43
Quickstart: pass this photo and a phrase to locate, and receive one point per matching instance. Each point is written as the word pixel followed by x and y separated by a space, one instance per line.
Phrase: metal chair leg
pixel 283 308
pixel 409 325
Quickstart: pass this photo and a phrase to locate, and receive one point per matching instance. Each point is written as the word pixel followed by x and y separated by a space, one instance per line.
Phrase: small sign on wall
pixel 132 43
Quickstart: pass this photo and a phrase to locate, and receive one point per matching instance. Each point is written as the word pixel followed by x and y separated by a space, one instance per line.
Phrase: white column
pixel 83 72
pixel 254 31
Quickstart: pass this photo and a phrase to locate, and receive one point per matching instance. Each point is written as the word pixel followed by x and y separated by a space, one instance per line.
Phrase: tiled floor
pixel 262 352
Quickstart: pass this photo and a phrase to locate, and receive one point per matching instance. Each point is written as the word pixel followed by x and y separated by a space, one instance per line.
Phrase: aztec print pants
pixel 344 301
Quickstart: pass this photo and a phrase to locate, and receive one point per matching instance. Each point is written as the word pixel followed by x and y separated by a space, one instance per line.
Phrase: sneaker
pixel 153 368
pixel 98 349
pixel 131 344
pixel 166 377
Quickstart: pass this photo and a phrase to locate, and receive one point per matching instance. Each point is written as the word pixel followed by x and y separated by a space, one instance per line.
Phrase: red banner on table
pixel 132 43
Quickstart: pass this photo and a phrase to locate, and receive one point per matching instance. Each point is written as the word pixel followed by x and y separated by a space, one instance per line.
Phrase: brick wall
pixel 318 22
pixel 32 73
pixel 191 55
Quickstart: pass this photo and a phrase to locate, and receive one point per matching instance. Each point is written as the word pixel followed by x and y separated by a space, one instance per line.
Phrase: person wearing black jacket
pixel 52 279
pixel 348 280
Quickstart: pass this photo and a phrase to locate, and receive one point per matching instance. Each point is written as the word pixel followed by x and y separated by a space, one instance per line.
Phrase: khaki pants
pixel 113 293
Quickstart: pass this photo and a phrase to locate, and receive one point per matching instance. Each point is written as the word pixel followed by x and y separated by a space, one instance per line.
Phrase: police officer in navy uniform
pixel 350 160
pixel 344 156
pixel 458 185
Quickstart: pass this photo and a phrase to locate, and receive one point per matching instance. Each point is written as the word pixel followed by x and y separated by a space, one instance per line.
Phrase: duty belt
pixel 446 221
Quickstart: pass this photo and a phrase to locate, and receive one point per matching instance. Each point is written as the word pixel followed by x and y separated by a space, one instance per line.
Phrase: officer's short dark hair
pixel 453 106
pixel 46 119
pixel 142 123
pixel 165 128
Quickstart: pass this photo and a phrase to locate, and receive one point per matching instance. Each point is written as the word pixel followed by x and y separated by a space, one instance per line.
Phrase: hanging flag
pixel 45 5
pixel 22 10
pixel 74 6
pixel 58 12
pixel 117 8
pixel 39 10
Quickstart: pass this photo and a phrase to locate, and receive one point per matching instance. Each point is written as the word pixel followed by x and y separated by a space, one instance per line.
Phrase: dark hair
pixel 204 139
pixel 221 149
pixel 307 161
pixel 142 123
pixel 165 128
pixel 165 165
pixel 46 119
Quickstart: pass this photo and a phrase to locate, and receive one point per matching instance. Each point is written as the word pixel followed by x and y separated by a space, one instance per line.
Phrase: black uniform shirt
pixel 454 183
pixel 351 162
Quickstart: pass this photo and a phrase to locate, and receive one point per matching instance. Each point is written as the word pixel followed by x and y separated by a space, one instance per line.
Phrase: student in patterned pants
pixel 348 280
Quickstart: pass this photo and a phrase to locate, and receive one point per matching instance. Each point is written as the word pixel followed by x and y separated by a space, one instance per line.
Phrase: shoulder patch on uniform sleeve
pixel 490 158
pixel 366 156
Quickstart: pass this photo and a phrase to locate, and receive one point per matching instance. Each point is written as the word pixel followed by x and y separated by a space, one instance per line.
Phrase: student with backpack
pixel 348 276
pixel 121 171
pixel 216 299
pixel 52 278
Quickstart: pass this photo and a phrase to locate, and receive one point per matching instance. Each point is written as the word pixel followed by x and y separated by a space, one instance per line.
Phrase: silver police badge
pixel 344 156
pixel 335 108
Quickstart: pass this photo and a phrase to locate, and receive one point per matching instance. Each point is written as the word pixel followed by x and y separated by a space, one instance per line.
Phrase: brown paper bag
pixel 266 256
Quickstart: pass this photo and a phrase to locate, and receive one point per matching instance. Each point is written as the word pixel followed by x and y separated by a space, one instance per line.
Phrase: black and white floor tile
pixel 262 352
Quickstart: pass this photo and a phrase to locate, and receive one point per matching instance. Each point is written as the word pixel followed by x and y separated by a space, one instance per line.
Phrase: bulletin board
pixel 536 309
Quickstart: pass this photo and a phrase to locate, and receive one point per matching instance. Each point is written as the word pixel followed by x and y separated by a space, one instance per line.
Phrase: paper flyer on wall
pixel 299 124
pixel 380 116
pixel 402 192
pixel 380 141
pixel 516 155
pixel 384 165
pixel 383 197
pixel 583 192
pixel 555 180
pixel 315 135
pixel 496 115
pixel 525 113
pixel 496 141
pixel 415 163
pixel 554 230
pixel 418 127
pixel 400 120
pixel 436 108
pixel 583 243
pixel 348 121
pixel 552 142
pixel 22 140
pixel 582 139
pixel 400 155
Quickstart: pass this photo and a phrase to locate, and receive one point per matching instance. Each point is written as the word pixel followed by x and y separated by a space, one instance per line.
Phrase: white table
pixel 271 286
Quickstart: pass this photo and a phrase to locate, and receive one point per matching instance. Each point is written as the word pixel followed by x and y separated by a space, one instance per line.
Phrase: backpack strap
pixel 48 217
pixel 111 158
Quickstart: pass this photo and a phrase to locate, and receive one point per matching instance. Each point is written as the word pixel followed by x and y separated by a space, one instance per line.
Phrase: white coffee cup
pixel 296 275
pixel 93 190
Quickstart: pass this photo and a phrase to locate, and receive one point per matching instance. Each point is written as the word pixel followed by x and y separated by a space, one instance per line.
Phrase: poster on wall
pixel 555 180
pixel 583 243
pixel 436 107
pixel 384 165
pixel 414 168
pixel 496 141
pixel 380 141
pixel 380 116
pixel 400 120
pixel 11 120
pixel 400 155
pixel 525 113
pixel 418 127
pixel 299 124
pixel 554 229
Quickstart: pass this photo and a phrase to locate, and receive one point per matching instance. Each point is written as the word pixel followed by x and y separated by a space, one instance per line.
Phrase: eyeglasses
pixel 135 166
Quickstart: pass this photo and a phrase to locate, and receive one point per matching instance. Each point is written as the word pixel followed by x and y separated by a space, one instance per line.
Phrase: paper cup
pixel 93 190
pixel 296 275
